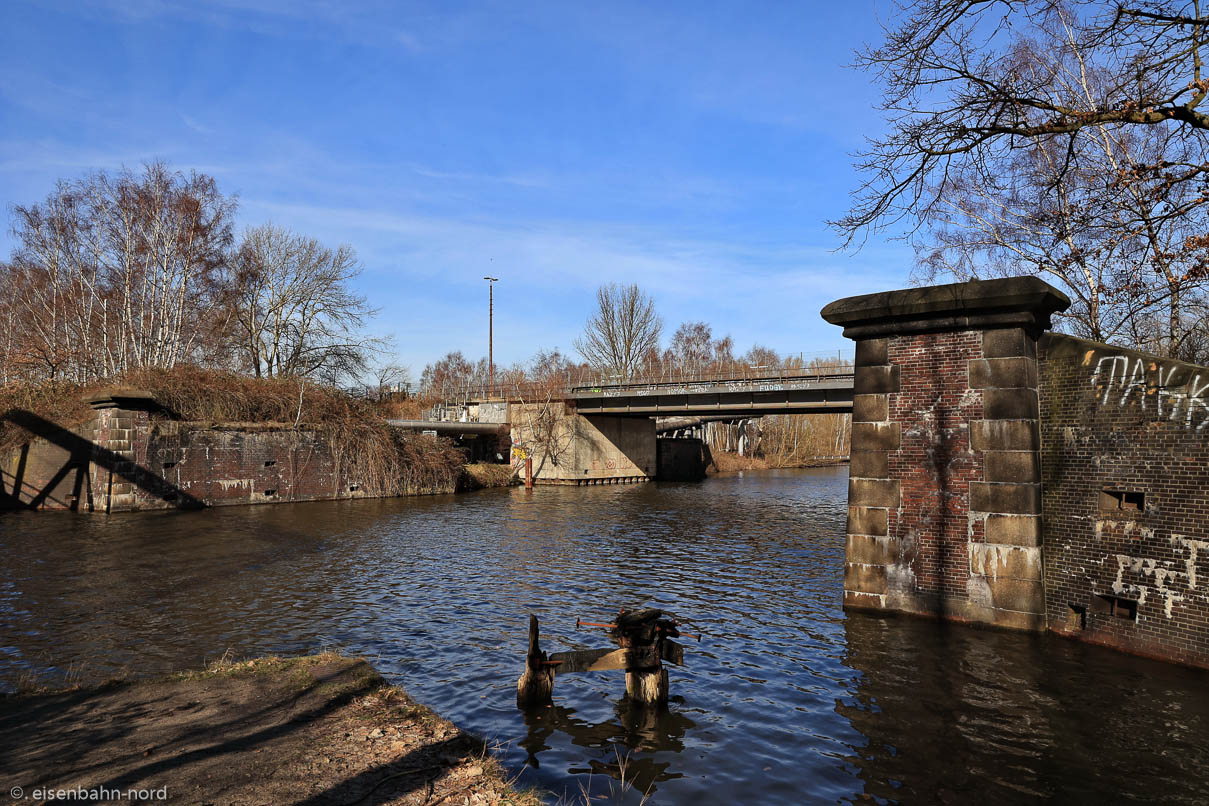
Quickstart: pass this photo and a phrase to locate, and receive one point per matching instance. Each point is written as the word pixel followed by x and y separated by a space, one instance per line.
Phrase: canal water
pixel 786 699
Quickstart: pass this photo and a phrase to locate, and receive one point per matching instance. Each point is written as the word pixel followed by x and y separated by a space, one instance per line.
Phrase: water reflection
pixel 632 726
pixel 951 714
pixel 787 699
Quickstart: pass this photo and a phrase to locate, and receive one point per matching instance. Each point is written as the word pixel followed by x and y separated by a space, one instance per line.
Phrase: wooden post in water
pixel 647 686
pixel 528 472
pixel 646 680
pixel 536 683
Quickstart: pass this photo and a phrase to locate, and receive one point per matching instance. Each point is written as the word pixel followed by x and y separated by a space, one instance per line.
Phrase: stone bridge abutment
pixel 1005 475
pixel 944 502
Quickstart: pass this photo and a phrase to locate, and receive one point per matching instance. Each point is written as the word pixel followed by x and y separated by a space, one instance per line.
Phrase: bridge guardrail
pixel 746 378
pixel 771 383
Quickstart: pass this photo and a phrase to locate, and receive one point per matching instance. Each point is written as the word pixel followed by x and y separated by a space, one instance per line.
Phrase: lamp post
pixel 491 281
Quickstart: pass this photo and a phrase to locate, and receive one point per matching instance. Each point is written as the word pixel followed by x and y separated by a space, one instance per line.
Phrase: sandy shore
pixel 322 729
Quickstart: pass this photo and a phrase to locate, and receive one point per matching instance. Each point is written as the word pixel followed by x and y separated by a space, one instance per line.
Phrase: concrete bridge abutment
pixel 567 447
pixel 944 499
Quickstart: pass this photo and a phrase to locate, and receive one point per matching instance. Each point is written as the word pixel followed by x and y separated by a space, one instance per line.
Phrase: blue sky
pixel 694 148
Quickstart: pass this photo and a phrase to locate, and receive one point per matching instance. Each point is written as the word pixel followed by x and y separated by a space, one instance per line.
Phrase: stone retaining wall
pixel 126 460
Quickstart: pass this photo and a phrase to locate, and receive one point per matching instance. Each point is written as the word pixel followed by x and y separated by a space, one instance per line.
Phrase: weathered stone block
pixel 1010 404
pixel 1003 373
pixel 869 550
pixel 876 436
pixel 1016 620
pixel 1022 467
pixel 870 408
pixel 997 560
pixel 875 380
pixel 872 352
pixel 1017 594
pixel 857 600
pixel 868 465
pixel 1016 530
pixel 873 493
pixel 867 521
pixel 864 578
pixel 1018 499
pixel 1008 343
pixel 1004 435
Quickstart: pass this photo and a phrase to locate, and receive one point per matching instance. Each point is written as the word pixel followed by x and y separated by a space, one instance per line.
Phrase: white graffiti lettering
pixel 1117 379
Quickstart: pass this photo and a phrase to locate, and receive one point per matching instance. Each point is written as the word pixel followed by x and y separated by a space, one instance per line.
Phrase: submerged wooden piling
pixel 536 684
pixel 644 642
pixel 647 686
pixel 646 681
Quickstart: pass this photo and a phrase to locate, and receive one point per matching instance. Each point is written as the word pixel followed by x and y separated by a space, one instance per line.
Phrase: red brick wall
pixel 944 496
pixel 1126 422
pixel 934 463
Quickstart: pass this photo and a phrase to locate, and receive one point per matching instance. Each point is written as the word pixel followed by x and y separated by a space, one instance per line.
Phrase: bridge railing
pixel 732 380
pixel 795 371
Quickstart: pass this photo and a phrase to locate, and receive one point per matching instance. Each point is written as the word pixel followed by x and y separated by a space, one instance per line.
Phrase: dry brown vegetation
pixel 725 462
pixel 387 461
pixel 482 475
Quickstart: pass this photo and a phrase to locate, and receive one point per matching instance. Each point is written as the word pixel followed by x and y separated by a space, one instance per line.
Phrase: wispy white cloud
pixel 195 126
pixel 426 268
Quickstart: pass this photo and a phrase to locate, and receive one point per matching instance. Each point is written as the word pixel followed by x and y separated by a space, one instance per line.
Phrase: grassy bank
pixel 322 729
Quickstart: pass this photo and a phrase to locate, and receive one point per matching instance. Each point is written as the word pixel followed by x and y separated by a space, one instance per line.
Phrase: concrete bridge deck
pixel 823 393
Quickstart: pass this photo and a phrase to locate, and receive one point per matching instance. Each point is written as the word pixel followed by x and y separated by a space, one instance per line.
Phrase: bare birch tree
pixel 624 329
pixel 118 272
pixel 295 311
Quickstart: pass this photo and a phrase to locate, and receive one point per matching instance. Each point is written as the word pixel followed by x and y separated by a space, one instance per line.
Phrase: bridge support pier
pixel 944 496
pixel 566 447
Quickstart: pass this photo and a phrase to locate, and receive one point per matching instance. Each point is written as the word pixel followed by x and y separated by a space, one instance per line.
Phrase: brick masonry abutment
pixel 944 500
pixel 1008 476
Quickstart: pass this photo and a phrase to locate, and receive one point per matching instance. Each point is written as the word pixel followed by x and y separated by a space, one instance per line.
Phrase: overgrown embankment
pixel 318 729
pixel 383 461
pixel 482 475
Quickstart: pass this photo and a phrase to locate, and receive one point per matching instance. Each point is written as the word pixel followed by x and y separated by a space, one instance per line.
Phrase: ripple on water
pixel 787 699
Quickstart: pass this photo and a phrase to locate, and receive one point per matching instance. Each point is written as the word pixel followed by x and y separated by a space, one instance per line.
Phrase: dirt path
pixel 316 730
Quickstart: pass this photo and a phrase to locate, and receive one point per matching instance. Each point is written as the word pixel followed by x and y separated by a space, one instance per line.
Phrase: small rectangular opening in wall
pixel 1076 617
pixel 1115 606
pixel 352 488
pixel 270 463
pixel 270 493
pixel 1122 500
pixel 169 465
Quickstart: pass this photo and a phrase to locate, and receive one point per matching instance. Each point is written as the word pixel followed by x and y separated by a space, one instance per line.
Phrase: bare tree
pixel 695 351
pixel 761 359
pixel 1054 137
pixel 692 347
pixel 966 81
pixel 118 272
pixel 450 378
pixel 1110 244
pixel 388 376
pixel 624 328
pixel 295 311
